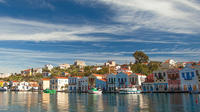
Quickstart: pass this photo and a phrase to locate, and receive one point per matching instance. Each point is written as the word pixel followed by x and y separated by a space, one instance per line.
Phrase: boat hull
pixel 94 92
pixel 129 91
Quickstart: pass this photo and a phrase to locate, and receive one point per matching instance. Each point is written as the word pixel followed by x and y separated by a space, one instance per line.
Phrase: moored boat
pixel 2 89
pixel 49 91
pixel 95 91
pixel 129 91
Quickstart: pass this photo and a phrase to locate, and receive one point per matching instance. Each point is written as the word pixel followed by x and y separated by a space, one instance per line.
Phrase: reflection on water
pixel 41 102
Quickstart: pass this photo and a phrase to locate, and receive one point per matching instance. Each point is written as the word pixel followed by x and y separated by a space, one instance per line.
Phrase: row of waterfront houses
pixel 106 82
pixel 185 79
pixel 19 85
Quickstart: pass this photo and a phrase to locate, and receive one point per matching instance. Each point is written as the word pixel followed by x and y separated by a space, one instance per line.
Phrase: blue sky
pixel 38 32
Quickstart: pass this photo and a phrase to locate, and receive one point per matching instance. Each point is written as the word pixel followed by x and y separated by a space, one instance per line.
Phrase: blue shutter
pixel 188 76
pixel 183 75
pixel 192 74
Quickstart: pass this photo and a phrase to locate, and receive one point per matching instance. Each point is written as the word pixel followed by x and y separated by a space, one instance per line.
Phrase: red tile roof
pixel 45 79
pixel 98 75
pixel 61 77
pixel 103 80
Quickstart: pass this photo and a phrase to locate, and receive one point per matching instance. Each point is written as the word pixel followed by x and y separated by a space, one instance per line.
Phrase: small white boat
pixel 129 91
pixel 95 91
pixel 3 89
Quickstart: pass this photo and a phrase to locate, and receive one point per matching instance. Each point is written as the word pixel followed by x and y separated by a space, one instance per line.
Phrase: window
pixel 164 74
pixel 155 74
pixel 188 75
pixel 197 72
pixel 192 74
pixel 183 75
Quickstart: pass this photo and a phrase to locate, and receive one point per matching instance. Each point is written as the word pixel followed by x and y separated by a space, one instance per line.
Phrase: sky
pixel 38 32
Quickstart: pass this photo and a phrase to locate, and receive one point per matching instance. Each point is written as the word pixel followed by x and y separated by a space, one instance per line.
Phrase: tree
pixel 140 68
pixel 153 66
pixel 140 57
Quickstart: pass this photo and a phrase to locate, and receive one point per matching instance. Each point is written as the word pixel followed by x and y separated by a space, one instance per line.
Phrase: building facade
pixel 111 83
pixel 189 79
pixel 148 85
pixel 64 66
pixel 160 80
pixel 59 83
pixel 73 83
pixel 83 84
pixel 45 84
pixel 174 82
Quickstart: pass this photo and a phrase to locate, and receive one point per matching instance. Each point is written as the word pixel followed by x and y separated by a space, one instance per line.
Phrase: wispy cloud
pixel 2 1
pixel 27 30
pixel 17 29
pixel 172 15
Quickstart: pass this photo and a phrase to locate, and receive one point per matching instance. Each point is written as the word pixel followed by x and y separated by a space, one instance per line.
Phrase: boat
pixel 49 91
pixel 95 91
pixel 129 91
pixel 2 89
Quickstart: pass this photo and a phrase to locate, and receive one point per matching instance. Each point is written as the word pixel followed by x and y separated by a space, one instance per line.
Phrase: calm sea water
pixel 41 102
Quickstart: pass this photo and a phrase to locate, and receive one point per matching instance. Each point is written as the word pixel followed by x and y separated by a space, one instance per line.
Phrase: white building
pixel 189 79
pixel 110 63
pixel 124 70
pixel 24 86
pixel 37 70
pixel 5 75
pixel 45 84
pixel 59 83
pixel 49 67
pixel 79 63
pixel 117 67
pixel 168 64
pixel 64 66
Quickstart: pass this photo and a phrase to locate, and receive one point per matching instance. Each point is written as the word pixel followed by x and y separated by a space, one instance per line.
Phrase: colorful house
pixel 27 72
pixel 174 82
pixel 160 80
pixel 148 85
pixel 136 79
pixel 34 85
pixel 122 80
pixel 83 84
pixel 189 79
pixel 111 83
pixel 97 80
pixel 197 68
pixel 101 84
pixel 73 83
pixel 59 83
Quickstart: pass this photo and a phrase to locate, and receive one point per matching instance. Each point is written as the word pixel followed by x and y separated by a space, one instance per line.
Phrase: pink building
pixel 174 82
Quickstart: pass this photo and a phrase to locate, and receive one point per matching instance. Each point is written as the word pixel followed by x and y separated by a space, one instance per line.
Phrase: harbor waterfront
pixel 59 102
